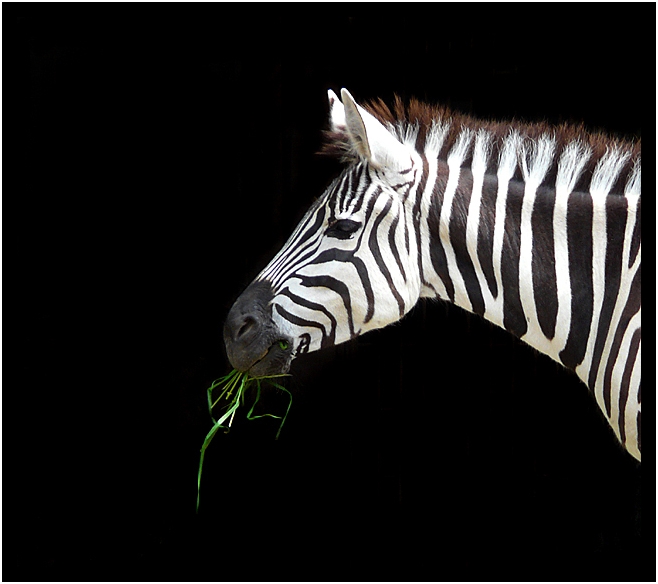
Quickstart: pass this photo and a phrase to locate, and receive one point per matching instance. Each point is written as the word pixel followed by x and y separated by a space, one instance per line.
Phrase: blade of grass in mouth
pixel 233 387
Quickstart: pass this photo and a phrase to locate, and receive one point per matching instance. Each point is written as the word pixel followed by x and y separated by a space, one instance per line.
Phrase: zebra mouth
pixel 275 360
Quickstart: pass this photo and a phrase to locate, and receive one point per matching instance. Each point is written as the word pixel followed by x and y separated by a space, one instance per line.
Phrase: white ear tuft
pixel 336 113
pixel 371 139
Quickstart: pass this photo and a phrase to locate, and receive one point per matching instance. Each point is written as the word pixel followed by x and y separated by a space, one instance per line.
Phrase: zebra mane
pixel 437 130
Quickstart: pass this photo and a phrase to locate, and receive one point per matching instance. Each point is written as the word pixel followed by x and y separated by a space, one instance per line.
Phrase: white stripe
pixel 481 151
pixel 570 167
pixel 434 140
pixel 455 159
pixel 536 159
pixel 436 135
pixel 407 133
pixel 607 170
pixel 603 179
pixel 633 407
pixel 425 237
pixel 506 169
pixel 634 182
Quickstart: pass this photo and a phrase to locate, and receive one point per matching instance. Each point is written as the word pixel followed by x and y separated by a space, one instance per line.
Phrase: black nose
pixel 249 331
pixel 242 328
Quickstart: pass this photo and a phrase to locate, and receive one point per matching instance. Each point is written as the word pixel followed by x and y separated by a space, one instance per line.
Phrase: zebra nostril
pixel 247 327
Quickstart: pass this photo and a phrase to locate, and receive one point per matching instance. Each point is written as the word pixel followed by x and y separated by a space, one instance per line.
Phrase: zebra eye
pixel 343 228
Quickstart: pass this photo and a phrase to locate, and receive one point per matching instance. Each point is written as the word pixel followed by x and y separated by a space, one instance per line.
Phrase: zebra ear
pixel 371 139
pixel 336 113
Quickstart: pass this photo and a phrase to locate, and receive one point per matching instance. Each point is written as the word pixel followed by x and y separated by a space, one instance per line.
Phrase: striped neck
pixel 527 253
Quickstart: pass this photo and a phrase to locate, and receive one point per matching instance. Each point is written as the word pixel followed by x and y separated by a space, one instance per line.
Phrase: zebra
pixel 533 227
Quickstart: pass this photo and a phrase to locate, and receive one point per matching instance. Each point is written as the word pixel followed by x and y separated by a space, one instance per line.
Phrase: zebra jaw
pixel 276 359
pixel 273 360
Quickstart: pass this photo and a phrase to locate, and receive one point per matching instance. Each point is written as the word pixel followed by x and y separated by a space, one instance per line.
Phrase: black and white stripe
pixel 536 230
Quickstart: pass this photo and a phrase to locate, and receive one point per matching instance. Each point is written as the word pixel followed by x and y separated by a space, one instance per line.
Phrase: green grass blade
pixel 206 442
pixel 218 424
pixel 288 410
pixel 210 404
pixel 238 382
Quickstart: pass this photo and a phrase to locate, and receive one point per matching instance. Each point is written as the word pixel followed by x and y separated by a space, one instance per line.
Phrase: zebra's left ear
pixel 370 138
pixel 336 113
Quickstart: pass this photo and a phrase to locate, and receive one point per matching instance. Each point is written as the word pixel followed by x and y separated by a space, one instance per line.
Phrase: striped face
pixel 347 268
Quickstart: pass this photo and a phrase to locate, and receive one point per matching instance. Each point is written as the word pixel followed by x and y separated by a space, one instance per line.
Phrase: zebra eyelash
pixel 343 228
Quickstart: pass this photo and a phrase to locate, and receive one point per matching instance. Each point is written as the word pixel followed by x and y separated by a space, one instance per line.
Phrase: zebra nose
pixel 242 328
pixel 247 331
pixel 242 333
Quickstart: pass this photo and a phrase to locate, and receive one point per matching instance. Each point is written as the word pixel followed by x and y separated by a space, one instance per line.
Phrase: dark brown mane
pixel 414 112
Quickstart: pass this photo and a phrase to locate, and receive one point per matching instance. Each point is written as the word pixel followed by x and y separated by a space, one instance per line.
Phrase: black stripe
pixel 514 319
pixel 626 381
pixel 610 362
pixel 398 187
pixel 579 243
pixel 457 230
pixel 293 261
pixel 374 248
pixel 336 286
pixel 394 248
pixel 415 218
pixel 362 177
pixel 419 194
pixel 544 278
pixel 365 178
pixel 360 266
pixel 327 340
pixel 333 201
pixel 306 232
pixel 635 240
pixel 639 431
pixel 347 190
pixel 413 181
pixel 292 318
pixel 437 253
pixel 486 231
pixel 406 230
pixel 295 253
pixel 343 256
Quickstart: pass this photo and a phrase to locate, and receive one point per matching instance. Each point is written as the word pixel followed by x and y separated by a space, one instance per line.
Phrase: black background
pixel 159 163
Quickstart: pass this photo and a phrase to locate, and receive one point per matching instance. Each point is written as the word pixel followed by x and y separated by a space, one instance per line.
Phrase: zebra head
pixel 350 266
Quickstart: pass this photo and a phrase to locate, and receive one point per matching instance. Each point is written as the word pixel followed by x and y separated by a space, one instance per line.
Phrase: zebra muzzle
pixel 252 339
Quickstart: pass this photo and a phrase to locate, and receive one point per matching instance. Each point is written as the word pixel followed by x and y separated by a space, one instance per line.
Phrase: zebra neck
pixel 523 256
